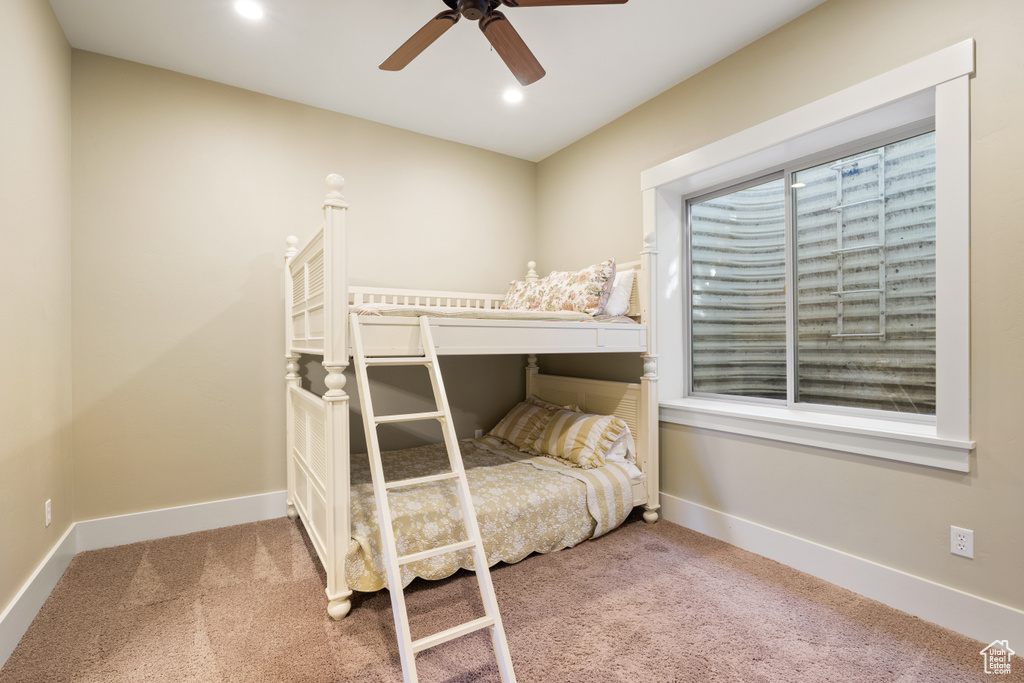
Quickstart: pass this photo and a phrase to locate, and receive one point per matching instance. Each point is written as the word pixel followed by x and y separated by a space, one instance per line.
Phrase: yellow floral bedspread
pixel 523 505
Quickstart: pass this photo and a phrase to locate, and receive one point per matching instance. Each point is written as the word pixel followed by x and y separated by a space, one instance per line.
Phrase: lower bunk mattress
pixel 524 504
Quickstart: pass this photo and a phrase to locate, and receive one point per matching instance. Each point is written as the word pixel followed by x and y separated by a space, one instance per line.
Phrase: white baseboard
pixel 107 532
pixel 111 531
pixel 18 615
pixel 970 615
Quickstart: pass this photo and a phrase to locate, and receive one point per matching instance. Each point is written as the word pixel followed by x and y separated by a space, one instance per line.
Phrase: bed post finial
pixel 292 249
pixel 650 243
pixel 531 271
pixel 335 184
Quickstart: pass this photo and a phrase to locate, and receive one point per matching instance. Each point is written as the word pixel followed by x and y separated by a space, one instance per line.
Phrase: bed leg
pixel 339 609
pixel 293 514
pixel 650 515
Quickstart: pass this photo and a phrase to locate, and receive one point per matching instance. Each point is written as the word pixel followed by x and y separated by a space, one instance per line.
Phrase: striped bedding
pixel 465 312
pixel 524 504
pixel 609 490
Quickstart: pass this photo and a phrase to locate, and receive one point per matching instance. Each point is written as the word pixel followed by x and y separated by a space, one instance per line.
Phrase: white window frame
pixel 935 87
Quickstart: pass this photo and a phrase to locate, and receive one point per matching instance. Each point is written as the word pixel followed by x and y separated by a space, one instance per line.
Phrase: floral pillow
pixel 524 296
pixel 585 291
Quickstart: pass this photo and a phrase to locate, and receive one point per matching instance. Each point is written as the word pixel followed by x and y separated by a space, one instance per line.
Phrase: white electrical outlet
pixel 961 542
pixel 47 512
pixel 478 433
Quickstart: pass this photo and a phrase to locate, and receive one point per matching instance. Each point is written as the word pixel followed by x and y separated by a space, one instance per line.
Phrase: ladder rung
pixel 856 291
pixel 399 360
pixel 452 633
pixel 408 417
pixel 433 552
pixel 840 207
pixel 866 247
pixel 856 160
pixel 860 334
pixel 420 480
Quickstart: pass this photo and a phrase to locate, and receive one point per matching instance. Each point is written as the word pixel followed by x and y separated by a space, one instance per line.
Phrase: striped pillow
pixel 580 438
pixel 541 403
pixel 522 425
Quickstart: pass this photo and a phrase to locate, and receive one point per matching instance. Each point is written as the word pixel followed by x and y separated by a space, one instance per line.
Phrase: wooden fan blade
pixel 551 3
pixel 511 48
pixel 420 41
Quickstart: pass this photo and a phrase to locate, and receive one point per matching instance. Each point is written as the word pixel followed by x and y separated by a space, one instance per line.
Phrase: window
pixel 812 276
pixel 863 283
pixel 737 292
pixel 865 279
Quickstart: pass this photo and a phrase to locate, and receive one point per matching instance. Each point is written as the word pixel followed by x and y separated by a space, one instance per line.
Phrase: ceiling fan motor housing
pixel 474 10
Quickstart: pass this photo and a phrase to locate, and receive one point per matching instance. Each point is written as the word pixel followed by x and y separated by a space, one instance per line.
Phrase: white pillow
pixel 623 452
pixel 618 300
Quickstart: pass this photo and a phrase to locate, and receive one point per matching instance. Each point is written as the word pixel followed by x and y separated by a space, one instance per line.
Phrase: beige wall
pixel 184 192
pixel 895 514
pixel 35 288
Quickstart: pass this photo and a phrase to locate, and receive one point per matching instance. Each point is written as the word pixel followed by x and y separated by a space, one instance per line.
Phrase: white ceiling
pixel 601 61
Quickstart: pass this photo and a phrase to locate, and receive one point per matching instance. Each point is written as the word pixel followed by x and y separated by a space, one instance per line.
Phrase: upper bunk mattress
pixel 465 312
pixel 393 330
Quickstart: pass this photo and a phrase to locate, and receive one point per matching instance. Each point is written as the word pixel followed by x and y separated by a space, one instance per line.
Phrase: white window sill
pixel 892 440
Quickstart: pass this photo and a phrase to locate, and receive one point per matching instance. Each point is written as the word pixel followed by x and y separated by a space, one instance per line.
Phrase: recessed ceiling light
pixel 513 95
pixel 249 9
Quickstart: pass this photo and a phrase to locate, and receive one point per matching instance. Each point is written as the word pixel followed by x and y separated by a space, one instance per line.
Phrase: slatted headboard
pixel 621 399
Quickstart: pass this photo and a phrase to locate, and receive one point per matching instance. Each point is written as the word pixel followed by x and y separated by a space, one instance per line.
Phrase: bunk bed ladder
pixel 407 647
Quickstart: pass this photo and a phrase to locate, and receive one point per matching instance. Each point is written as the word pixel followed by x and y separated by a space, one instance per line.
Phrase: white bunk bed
pixel 318 300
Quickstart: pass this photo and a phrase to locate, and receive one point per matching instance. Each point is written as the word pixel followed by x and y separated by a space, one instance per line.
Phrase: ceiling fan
pixel 497 29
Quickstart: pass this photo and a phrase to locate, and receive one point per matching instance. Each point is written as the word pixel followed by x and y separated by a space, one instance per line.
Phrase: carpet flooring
pixel 643 603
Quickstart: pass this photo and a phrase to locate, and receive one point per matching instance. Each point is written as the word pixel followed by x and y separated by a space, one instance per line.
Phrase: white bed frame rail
pixel 417 297
pixel 317 302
